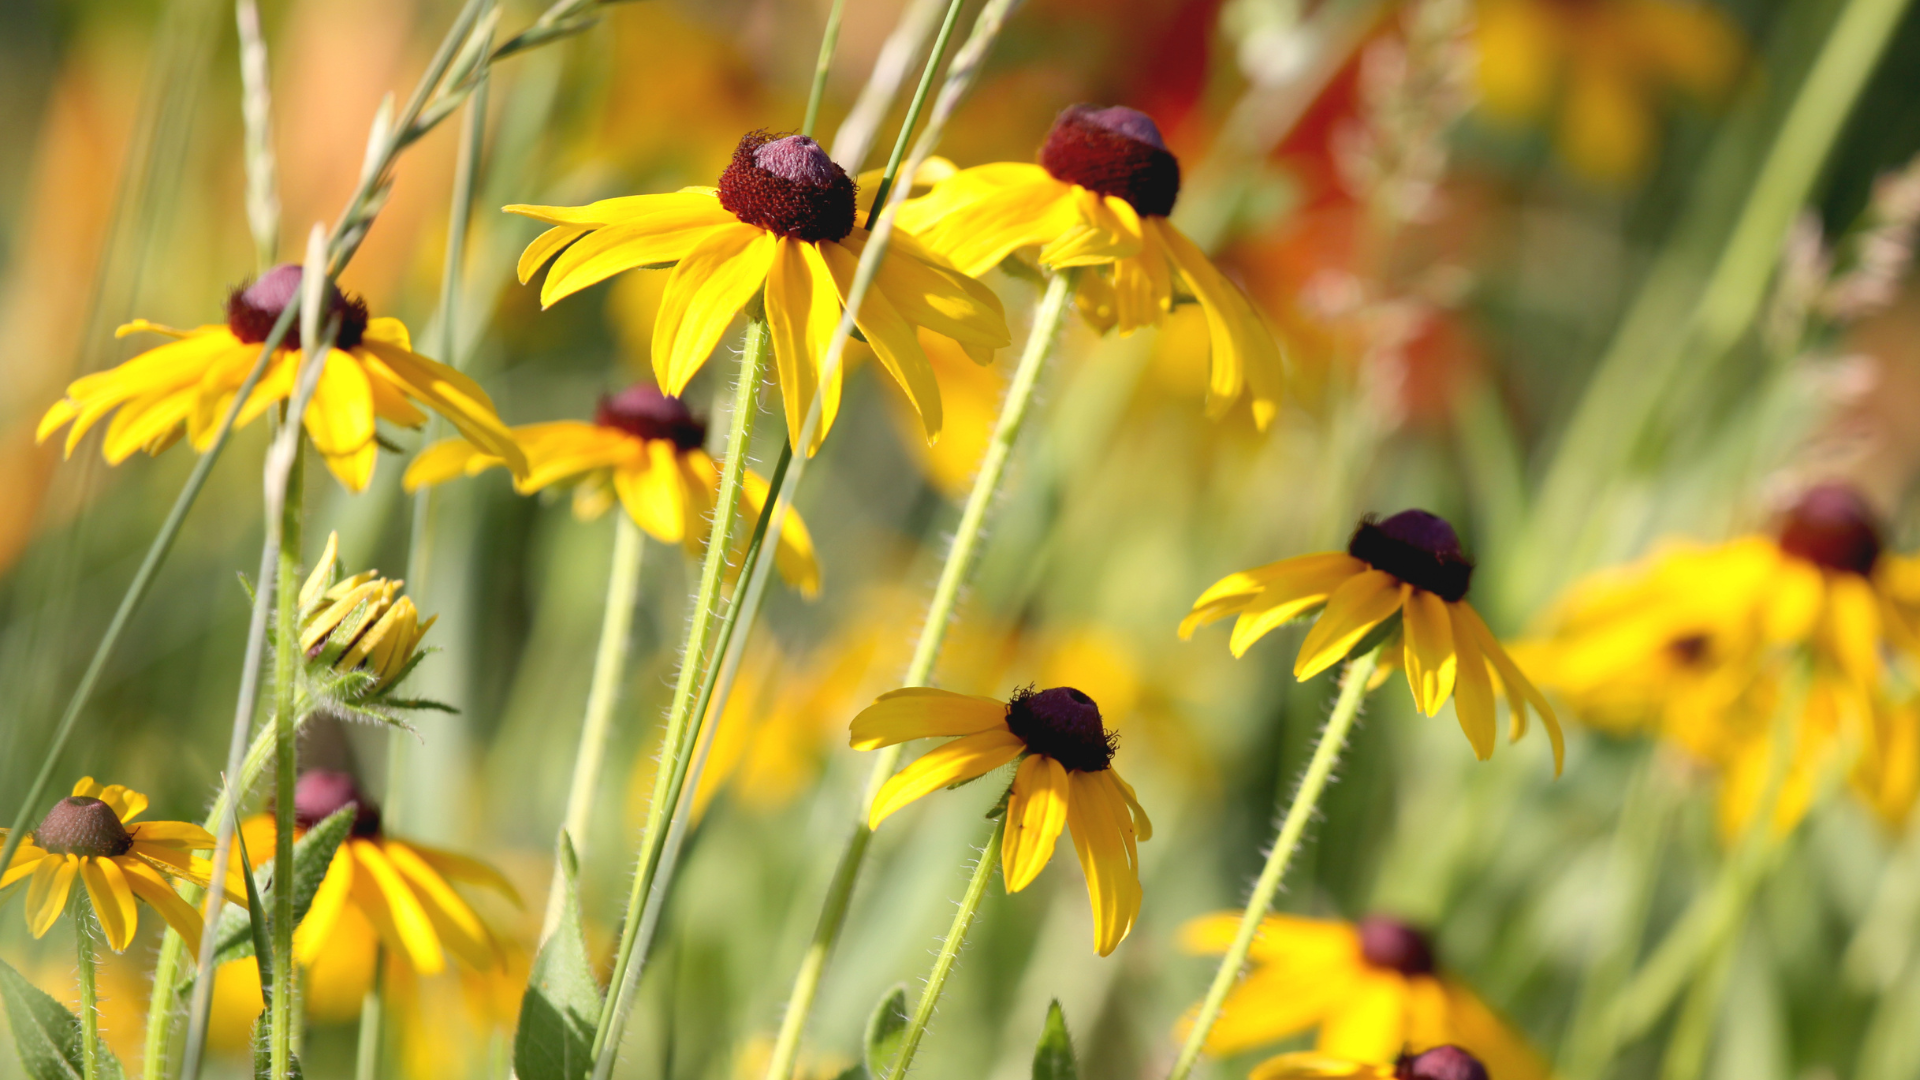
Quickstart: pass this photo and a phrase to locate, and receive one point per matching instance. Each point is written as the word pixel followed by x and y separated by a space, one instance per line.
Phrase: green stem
pixel 949 952
pixel 366 1056
pixel 1353 690
pixel 286 670
pixel 829 38
pixel 1692 1036
pixel 961 557
pixel 682 727
pixel 609 661
pixel 89 957
pixel 913 111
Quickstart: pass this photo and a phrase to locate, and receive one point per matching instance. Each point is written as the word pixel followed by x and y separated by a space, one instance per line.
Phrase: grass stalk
pixel 368 1040
pixel 829 38
pixel 943 962
pixel 900 142
pixel 1353 691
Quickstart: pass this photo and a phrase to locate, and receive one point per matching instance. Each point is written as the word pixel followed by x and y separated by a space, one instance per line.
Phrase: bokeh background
pixel 1473 222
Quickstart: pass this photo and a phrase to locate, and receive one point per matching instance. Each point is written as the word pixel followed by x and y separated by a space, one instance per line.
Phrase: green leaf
pixel 47 1035
pixel 263 1053
pixel 312 856
pixel 854 1072
pixel 1053 1057
pixel 256 920
pixel 562 1005
pixel 885 1028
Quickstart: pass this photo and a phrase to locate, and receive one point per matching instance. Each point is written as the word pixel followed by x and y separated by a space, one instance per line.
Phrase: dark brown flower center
pixel 1440 1063
pixel 253 309
pixel 788 186
pixel 79 825
pixel 1063 724
pixel 1832 526
pixel 1419 548
pixel 1114 151
pixel 1393 945
pixel 645 413
pixel 321 793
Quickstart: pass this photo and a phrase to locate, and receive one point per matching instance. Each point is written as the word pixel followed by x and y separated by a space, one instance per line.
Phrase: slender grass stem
pixel 919 102
pixel 949 953
pixel 609 663
pixel 829 38
pixel 1353 691
pixel 366 1051
pixel 962 555
pixel 682 723
pixel 89 960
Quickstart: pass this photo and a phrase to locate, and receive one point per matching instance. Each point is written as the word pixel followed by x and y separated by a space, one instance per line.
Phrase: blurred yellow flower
pixel 1697 643
pixel 187 385
pixel 91 835
pixel 782 218
pixel 1410 564
pixel 1371 988
pixel 1439 1063
pixel 643 448
pixel 1065 780
pixel 1605 64
pixel 379 893
pixel 1100 197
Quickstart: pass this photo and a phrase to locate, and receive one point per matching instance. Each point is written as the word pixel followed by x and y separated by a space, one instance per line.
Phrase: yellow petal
pixel 929 293
pixel 1236 590
pixel 1520 691
pixel 381 887
pixel 1429 657
pixel 339 418
pixel 803 307
pixel 621 210
pixel 1101 838
pixel 1371 1023
pixel 546 246
pixel 651 491
pixel 794 556
pixel 1311 1066
pixel 315 932
pixel 112 899
pixel 47 892
pixel 446 391
pixel 923 712
pixel 461 868
pixel 147 883
pixel 1353 610
pixel 1036 812
pixel 184 835
pixel 951 763
pixel 443 461
pixel 1245 352
pixel 1473 690
pixel 892 339
pixel 455 923
pixel 980 216
pixel 712 282
pixel 1297 587
pixel 652 239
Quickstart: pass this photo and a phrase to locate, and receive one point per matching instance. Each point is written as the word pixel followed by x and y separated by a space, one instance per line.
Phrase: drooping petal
pixel 454 396
pixel 444 461
pixel 929 293
pixel 1353 610
pixel 892 338
pixel 803 307
pixel 1428 650
pixel 385 897
pixel 621 210
pixel 1142 824
pixel 1245 352
pixel 653 239
pixel 1101 842
pixel 461 868
pixel 1306 584
pixel 952 763
pixel 794 557
pixel 157 891
pixel 1520 691
pixel 47 892
pixel 546 246
pixel 315 932
pixel 980 216
pixel 1370 1023
pixel 711 283
pixel 923 712
pixel 650 490
pixel 1473 690
pixel 113 902
pixel 458 927
pixel 1235 591
pixel 26 859
pixel 1101 235
pixel 184 835
pixel 1036 812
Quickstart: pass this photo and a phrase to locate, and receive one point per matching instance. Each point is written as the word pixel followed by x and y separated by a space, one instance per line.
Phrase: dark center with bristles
pixel 252 309
pixel 320 793
pixel 1114 151
pixel 1419 548
pixel 79 825
pixel 1063 724
pixel 644 412
pixel 788 186
pixel 1440 1063
pixel 1832 526
pixel 1391 944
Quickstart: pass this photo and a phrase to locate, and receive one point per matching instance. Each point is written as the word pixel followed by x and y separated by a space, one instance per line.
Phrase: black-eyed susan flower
pixel 780 226
pixel 187 385
pixel 644 449
pixel 1607 66
pixel 379 892
pixel 91 835
pixel 1065 780
pixel 1439 1063
pixel 1411 565
pixel 1372 989
pixel 1100 197
pixel 1698 642
pixel 359 623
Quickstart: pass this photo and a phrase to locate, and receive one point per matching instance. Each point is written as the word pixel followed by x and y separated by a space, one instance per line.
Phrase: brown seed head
pixel 79 825
pixel 252 309
pixel 1832 526
pixel 1114 151
pixel 644 412
pixel 1063 724
pixel 788 186
pixel 320 793
pixel 1419 548
pixel 1393 945
pixel 1440 1063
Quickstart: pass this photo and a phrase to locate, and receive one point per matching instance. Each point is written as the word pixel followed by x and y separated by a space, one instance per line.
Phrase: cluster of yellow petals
pixel 360 620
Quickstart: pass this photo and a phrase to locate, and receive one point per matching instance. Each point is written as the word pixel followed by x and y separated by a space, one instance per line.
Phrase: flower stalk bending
pixel 1353 690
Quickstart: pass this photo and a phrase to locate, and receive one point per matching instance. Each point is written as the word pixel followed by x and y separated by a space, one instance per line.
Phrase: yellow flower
pixel 1605 64
pixel 1100 197
pixel 1410 564
pixel 378 892
pixel 644 448
pixel 1439 1063
pixel 359 621
pixel 782 218
pixel 188 384
pixel 1065 780
pixel 1371 988
pixel 92 835
pixel 1698 642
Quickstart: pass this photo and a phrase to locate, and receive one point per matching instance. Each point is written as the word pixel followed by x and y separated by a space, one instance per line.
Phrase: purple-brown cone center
pixel 1063 724
pixel 1832 526
pixel 788 186
pixel 645 413
pixel 321 793
pixel 79 825
pixel 1419 548
pixel 1393 945
pixel 253 309
pixel 1440 1063
pixel 1114 151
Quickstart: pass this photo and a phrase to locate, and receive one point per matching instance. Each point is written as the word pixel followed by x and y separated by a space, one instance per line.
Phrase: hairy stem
pixel 89 958
pixel 949 953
